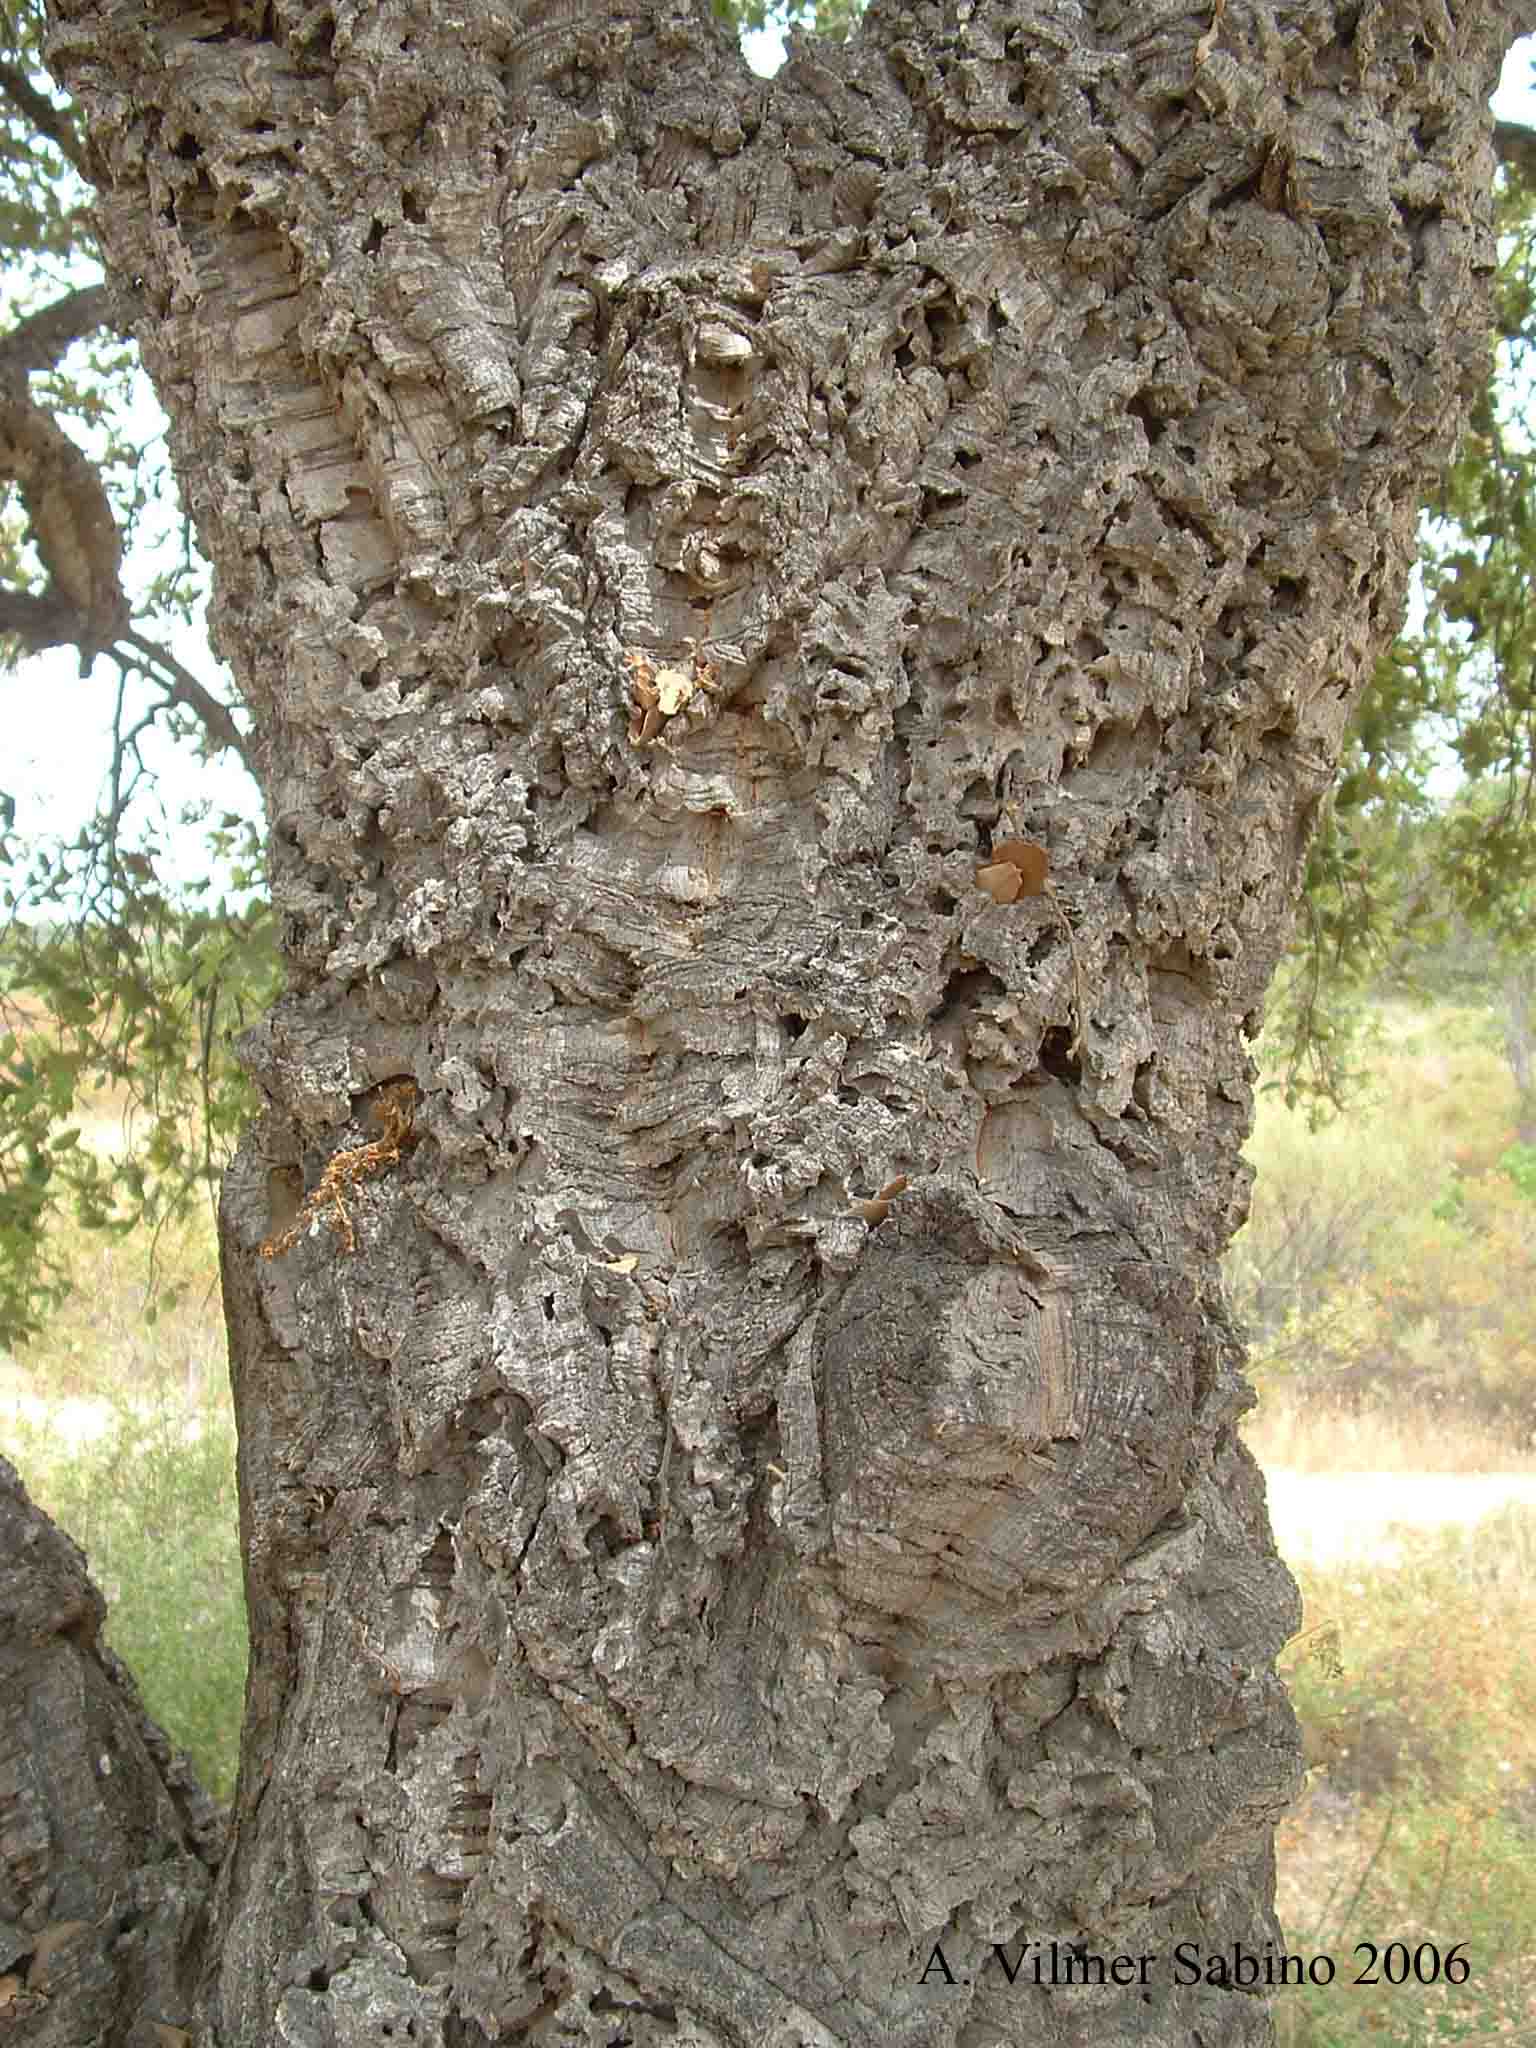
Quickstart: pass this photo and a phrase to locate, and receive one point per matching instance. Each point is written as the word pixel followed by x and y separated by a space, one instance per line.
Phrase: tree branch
pixel 50 620
pixel 69 515
pixel 182 687
pixel 46 118
pixel 40 620
pixel 72 524
pixel 37 342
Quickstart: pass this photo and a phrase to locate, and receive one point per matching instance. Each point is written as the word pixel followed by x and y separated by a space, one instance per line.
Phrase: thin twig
pixel 182 687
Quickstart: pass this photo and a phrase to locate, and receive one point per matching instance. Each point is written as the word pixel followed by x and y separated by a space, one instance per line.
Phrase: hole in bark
pixel 1140 408
pixel 373 241
pixel 1057 1059
pixel 849 1095
pixel 966 989
pixel 439 1565
pixel 793 1023
pixel 189 149
pixel 412 208
pixel 1131 1147
pixel 604 2001
pixel 943 901
pixel 549 1307
pixel 320 1979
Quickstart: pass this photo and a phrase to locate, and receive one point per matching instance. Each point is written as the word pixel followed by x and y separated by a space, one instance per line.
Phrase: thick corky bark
pixel 673 531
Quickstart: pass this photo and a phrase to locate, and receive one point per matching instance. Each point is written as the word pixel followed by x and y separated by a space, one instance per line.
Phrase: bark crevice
pixel 762 1496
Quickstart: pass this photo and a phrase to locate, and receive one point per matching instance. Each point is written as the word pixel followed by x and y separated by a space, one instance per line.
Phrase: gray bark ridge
pixel 796 631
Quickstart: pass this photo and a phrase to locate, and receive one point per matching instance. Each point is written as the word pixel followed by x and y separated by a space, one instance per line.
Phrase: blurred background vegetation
pixel 1387 1275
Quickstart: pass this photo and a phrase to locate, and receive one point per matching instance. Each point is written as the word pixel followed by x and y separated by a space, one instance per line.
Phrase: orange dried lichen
pixel 1018 867
pixel 1022 867
pixel 657 694
pixel 878 1207
pixel 393 1112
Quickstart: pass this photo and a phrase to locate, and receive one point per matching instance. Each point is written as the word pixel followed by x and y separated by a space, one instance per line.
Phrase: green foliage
pixel 140 997
pixel 1400 879
pixel 35 1093
pixel 41 205
pixel 107 979
pixel 1478 564
pixel 1519 1162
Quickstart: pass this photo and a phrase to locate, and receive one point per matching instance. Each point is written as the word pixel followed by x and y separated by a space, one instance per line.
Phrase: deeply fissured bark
pixel 744 1488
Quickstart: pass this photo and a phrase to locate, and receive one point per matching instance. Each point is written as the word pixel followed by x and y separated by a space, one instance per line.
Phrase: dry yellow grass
pixel 1297 1436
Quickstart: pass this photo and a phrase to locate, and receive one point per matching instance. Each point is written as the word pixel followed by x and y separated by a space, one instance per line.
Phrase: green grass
pixel 151 1500
pixel 152 1504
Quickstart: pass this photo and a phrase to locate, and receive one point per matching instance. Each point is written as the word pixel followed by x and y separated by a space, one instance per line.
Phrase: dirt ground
pixel 1335 1517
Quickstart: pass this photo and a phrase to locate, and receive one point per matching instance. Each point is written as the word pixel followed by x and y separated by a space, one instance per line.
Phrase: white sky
pixel 58 728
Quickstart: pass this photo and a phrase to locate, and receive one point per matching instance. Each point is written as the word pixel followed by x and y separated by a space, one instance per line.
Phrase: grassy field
pixel 1389 1275
pixel 1416 1689
pixel 124 1433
